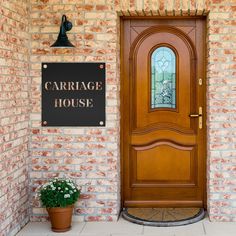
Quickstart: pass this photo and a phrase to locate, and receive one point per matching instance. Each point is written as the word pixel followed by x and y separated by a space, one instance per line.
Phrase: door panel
pixel 145 116
pixel 153 164
pixel 163 148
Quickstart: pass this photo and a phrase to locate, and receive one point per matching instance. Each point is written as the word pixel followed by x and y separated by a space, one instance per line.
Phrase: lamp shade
pixel 62 39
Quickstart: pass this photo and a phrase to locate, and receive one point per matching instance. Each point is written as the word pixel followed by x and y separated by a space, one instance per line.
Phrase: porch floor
pixel 125 228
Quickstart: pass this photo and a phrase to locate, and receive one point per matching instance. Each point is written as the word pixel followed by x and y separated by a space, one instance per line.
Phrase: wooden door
pixel 163 113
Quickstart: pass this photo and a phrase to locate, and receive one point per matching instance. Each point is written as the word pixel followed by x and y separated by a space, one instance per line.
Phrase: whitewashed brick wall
pixel 14 115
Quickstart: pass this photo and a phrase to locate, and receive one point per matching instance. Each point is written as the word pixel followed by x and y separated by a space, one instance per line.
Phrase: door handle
pixel 194 115
pixel 199 116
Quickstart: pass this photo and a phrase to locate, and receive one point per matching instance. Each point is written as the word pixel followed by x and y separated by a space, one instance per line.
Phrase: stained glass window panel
pixel 163 78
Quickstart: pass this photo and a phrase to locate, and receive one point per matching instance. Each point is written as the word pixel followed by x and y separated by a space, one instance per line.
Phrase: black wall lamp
pixel 62 39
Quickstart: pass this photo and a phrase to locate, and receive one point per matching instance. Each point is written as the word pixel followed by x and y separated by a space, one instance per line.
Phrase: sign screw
pixel 101 66
pixel 101 123
pixel 45 122
pixel 45 66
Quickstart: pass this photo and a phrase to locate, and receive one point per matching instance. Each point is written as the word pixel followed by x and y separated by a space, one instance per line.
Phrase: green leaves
pixel 59 193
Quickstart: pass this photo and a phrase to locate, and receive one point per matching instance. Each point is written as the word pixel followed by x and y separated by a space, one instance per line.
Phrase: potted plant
pixel 58 196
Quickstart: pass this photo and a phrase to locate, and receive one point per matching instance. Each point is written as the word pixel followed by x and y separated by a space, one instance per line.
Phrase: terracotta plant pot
pixel 60 218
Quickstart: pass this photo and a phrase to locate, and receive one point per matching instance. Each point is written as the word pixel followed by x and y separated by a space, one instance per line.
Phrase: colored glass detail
pixel 163 78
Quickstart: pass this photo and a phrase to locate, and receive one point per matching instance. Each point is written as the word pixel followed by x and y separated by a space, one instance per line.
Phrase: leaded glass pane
pixel 163 80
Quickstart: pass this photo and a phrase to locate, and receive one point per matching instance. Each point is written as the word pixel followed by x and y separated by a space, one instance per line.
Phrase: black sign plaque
pixel 73 94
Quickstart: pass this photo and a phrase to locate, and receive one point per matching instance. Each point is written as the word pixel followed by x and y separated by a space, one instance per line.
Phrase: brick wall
pixel 91 156
pixel 14 115
pixel 221 98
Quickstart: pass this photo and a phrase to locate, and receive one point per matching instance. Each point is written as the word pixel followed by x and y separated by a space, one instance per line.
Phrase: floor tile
pixel 36 229
pixel 156 234
pixel 126 234
pixel 125 228
pixel 75 230
pixel 130 234
pixel 193 230
pixel 63 234
pixel 102 234
pixel 44 229
pixel 221 234
pixel 32 234
pixel 220 228
pixel 182 233
pixel 120 227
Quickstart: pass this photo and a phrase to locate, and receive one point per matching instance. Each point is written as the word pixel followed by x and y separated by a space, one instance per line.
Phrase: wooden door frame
pixel 122 106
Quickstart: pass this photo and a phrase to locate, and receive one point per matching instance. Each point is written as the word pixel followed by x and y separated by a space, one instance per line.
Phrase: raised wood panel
pixel 162 134
pixel 186 26
pixel 140 56
pixel 154 164
pixel 190 31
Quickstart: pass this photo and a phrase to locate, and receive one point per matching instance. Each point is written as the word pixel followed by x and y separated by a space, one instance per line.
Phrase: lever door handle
pixel 195 115
pixel 198 116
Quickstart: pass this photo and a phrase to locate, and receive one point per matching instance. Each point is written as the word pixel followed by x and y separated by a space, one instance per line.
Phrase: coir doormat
pixel 164 217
